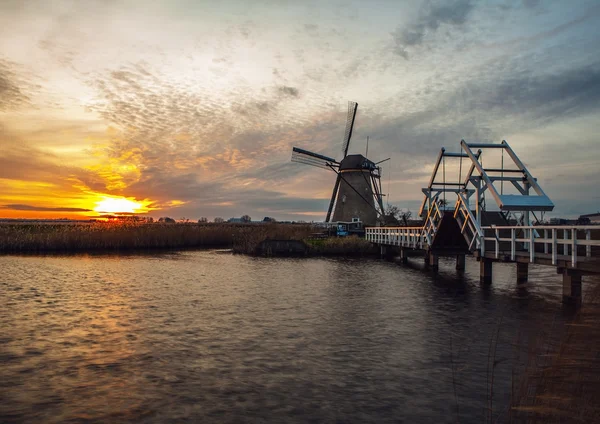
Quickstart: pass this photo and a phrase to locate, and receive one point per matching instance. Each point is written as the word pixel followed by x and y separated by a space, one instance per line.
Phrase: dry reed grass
pixel 121 236
pixel 242 238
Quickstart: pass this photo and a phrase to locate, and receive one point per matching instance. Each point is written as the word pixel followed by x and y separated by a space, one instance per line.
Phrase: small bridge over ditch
pixel 458 222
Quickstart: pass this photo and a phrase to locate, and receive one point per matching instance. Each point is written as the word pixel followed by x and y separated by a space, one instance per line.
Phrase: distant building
pixel 235 220
pixel 591 218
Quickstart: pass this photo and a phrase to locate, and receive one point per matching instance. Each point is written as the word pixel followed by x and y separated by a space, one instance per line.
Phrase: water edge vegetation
pixel 118 236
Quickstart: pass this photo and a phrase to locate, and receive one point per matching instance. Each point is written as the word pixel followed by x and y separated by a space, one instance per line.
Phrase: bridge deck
pixel 584 263
pixel 574 247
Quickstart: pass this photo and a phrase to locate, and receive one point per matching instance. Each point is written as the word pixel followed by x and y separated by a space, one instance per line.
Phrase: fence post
pixel 574 247
pixel 497 232
pixel 513 244
pixel 588 248
pixel 531 245
pixel 554 247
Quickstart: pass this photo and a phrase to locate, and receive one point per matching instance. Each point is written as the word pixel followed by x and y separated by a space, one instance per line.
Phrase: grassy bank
pixel 347 246
pixel 247 239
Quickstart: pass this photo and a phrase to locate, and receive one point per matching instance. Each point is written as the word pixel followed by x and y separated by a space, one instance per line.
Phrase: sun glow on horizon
pixel 117 205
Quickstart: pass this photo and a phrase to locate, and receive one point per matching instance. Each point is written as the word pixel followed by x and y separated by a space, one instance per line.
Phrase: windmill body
pixel 355 198
pixel 357 190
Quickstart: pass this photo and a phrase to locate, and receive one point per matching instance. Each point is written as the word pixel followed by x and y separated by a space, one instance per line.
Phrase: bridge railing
pixel 412 237
pixel 544 240
pixel 469 227
pixel 434 216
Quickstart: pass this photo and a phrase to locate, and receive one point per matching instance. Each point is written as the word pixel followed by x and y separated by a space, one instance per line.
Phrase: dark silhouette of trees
pixel 396 216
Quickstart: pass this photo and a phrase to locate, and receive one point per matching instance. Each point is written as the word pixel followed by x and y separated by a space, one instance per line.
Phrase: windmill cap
pixel 356 162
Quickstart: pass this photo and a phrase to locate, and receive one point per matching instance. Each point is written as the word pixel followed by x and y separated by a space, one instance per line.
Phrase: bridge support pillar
pixel 382 250
pixel 485 271
pixel 522 272
pixel 403 257
pixel 460 262
pixel 572 287
pixel 434 261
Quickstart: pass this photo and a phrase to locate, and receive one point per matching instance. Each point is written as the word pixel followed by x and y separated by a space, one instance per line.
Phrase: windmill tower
pixel 357 189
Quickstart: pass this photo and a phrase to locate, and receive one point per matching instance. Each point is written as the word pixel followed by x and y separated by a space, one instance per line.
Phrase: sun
pixel 117 205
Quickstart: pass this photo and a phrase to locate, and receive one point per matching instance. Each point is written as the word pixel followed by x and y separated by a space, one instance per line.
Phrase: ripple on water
pixel 213 337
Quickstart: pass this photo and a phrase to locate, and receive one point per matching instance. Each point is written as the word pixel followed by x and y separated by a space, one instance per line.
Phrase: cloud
pixel 22 162
pixel 531 3
pixel 290 91
pixel 198 114
pixel 544 97
pixel 249 174
pixel 432 15
pixel 17 207
pixel 12 94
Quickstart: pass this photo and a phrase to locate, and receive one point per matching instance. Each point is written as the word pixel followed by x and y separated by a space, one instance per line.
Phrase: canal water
pixel 207 336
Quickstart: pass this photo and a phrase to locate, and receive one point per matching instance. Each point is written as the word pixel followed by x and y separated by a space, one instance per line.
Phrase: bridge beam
pixel 522 272
pixel 572 287
pixel 460 262
pixel 485 271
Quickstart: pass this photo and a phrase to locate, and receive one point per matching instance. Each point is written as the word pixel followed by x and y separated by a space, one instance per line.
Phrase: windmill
pixel 357 189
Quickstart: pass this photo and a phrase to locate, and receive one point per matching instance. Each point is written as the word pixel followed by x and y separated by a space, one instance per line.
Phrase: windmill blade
pixel 352 108
pixel 313 159
pixel 333 197
pixel 376 181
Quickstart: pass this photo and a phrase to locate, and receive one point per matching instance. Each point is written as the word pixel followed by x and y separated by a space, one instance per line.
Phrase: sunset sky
pixel 191 108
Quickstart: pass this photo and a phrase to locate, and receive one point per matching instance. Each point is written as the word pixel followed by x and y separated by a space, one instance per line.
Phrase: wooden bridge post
pixel 522 272
pixel 572 287
pixel 460 262
pixel 403 257
pixel 485 270
pixel 434 261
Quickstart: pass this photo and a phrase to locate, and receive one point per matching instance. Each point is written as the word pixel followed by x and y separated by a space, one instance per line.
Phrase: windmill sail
pixel 333 197
pixel 357 191
pixel 314 159
pixel 352 108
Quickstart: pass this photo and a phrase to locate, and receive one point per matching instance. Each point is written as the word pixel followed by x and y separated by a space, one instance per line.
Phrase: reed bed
pixel 123 236
pixel 241 238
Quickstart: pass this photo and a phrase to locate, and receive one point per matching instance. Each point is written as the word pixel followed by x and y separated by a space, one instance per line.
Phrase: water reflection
pixel 206 336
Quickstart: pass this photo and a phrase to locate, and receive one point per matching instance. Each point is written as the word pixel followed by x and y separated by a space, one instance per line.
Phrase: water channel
pixel 207 336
